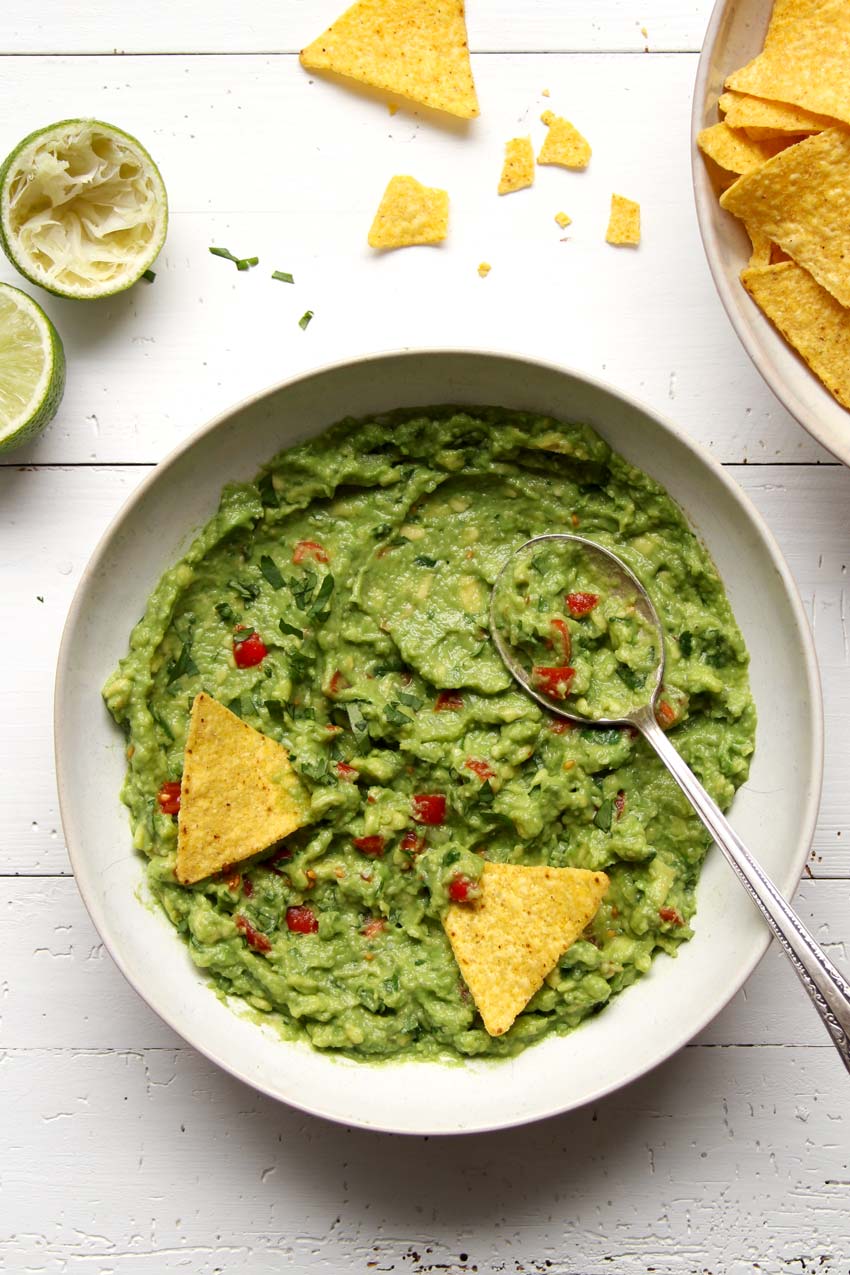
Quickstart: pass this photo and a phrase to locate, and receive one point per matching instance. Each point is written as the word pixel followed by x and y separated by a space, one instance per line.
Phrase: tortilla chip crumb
pixel 624 222
pixel 564 144
pixel 509 939
pixel 418 50
pixel 484 269
pixel 563 220
pixel 518 166
pixel 545 92
pixel 409 214
pixel 644 33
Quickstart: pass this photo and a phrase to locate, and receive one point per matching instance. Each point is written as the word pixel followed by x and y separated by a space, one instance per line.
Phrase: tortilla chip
pixel 762 119
pixel 417 48
pixel 518 168
pixel 801 200
pixel 809 318
pixel 624 222
pixel 563 220
pixel 238 796
pixel 564 144
pixel 760 255
pixel 508 940
pixel 484 269
pixel 410 213
pixel 805 60
pixel 733 150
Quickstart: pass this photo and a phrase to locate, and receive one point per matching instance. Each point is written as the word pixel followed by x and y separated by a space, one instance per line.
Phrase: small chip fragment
pixel 518 166
pixel 801 201
pixel 408 214
pixel 564 144
pixel 624 222
pixel 417 48
pixel 760 255
pixel 763 119
pixel 809 318
pixel 508 940
pixel 563 220
pixel 238 795
pixel 484 269
pixel 733 150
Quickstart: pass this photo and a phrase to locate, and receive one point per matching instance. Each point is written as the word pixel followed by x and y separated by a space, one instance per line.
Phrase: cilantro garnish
pixel 290 628
pixel 318 607
pixel 302 590
pixel 271 571
pixel 604 815
pixel 633 680
pixel 226 612
pixel 283 275
pixel 184 664
pixel 150 275
pixel 686 643
pixel 161 723
pixel 247 591
pixel 241 263
pixel 422 560
pixel 412 701
pixel 485 794
pixel 395 716
pixel 601 736
pixel 268 491
pixel 305 319
pixel 356 719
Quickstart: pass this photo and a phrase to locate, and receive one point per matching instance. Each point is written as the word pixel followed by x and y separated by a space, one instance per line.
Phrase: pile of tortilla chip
pixel 781 155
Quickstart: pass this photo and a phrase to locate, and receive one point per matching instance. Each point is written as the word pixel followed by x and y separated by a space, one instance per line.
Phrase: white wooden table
pixel 123 1151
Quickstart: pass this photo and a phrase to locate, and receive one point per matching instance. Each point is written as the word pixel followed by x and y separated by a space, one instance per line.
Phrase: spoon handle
pixel 824 983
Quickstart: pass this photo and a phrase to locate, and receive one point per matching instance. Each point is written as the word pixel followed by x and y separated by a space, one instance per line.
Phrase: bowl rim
pixel 705 199
pixel 811 672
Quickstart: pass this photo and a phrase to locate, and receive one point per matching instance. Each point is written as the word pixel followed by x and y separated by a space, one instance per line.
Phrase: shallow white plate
pixel 775 812
pixel 735 35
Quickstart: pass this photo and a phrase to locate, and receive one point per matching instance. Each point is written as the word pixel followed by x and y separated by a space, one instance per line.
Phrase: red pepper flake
pixel 579 604
pixel 282 856
pixel 253 937
pixel 665 714
pixel 620 803
pixel 345 771
pixel 480 768
pixel 670 915
pixel 309 549
pixel 337 683
pixel 248 887
pixel 249 649
pixel 302 920
pixel 563 630
pixel 448 702
pixel 234 881
pixel 373 927
pixel 373 845
pixel 461 889
pixel 412 843
pixel 169 798
pixel 429 807
pixel 333 729
pixel 554 681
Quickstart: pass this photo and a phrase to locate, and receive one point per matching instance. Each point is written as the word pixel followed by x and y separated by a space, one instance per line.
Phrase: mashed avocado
pixel 339 604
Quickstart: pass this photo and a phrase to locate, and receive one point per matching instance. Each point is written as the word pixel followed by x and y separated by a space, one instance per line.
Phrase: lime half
pixel 32 368
pixel 83 211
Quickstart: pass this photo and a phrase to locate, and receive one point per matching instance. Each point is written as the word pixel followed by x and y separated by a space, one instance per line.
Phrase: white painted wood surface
pixel 121 1150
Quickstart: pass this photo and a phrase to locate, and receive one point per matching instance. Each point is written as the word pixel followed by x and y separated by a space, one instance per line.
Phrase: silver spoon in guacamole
pixel 579 633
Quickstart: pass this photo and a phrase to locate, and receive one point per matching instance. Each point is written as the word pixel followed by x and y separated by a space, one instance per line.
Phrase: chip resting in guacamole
pixel 338 605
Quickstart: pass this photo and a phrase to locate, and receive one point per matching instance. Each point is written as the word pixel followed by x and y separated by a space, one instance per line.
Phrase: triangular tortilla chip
pixel 518 168
pixel 508 940
pixel 761 118
pixel 564 144
pixel 416 48
pixel 733 150
pixel 410 213
pixel 238 796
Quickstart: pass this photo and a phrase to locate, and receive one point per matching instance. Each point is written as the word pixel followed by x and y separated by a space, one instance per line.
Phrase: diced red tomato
pixel 273 864
pixel 169 798
pixel 670 915
pixel 558 726
pixel 310 549
pixel 337 683
pixel 563 630
pixel 248 887
pixel 248 648
pixel 373 927
pixel 253 937
pixel 620 803
pixel 302 920
pixel 461 889
pixel 480 768
pixel 448 702
pixel 555 681
pixel 665 714
pixel 429 807
pixel 234 881
pixel 412 842
pixel 345 771
pixel 333 729
pixel 373 845
pixel 579 604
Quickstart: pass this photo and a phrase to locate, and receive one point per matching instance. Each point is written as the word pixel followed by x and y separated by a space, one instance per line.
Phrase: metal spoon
pixel 824 983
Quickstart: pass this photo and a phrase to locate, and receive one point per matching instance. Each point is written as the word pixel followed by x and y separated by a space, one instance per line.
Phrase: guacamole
pixel 339 605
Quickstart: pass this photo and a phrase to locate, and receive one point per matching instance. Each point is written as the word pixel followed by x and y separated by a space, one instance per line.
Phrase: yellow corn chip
pixel 564 144
pixel 624 222
pixel 484 269
pixel 805 60
pixel 408 214
pixel 801 200
pixel 760 255
pixel 508 940
pixel 762 119
pixel 416 48
pixel 809 318
pixel 563 220
pixel 518 168
pixel 238 796
pixel 733 150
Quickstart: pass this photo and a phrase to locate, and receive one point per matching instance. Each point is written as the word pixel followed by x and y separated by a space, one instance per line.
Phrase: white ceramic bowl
pixel 735 35
pixel 775 811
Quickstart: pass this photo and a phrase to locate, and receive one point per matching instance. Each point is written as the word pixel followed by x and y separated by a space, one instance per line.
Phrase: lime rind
pixel 32 368
pixel 83 209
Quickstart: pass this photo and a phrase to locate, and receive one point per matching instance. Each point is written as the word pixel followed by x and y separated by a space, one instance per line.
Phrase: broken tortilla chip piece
pixel 733 150
pixel 624 222
pixel 809 318
pixel 760 255
pixel 238 796
pixel 564 144
pixel 801 201
pixel 408 214
pixel 762 119
pixel 563 220
pixel 518 168
pixel 509 939
pixel 417 48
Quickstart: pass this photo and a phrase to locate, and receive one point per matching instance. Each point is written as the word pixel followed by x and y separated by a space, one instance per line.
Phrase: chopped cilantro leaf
pixel 283 275
pixel 247 591
pixel 318 605
pixel 302 589
pixel 226 613
pixel 601 736
pixel 422 560
pixel 394 715
pixel 356 719
pixel 241 263
pixel 633 680
pixel 268 491
pixel 149 275
pixel 686 643
pixel 604 815
pixel 412 701
pixel 271 571
pixel 290 628
pixel 305 319
pixel 184 664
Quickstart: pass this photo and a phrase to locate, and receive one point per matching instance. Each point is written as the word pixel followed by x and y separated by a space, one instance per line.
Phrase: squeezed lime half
pixel 83 209
pixel 32 368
